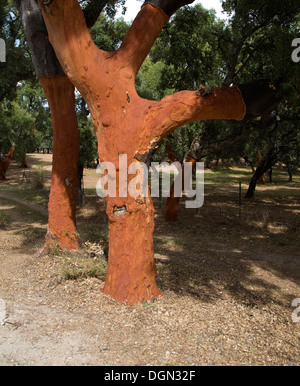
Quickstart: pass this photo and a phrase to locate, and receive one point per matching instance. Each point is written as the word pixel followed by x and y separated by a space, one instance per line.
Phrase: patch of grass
pixel 77 267
pixel 40 197
pixel 281 242
pixel 169 242
pixel 4 221
pixel 31 234
pixel 38 179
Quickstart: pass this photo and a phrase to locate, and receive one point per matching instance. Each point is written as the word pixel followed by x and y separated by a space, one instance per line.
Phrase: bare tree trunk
pixel 64 181
pixel 266 163
pixel 131 275
pixel 59 92
pixel 4 165
pixel 172 204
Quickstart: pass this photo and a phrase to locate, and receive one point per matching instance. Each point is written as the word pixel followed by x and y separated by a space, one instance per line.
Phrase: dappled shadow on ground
pixel 215 250
pixel 212 250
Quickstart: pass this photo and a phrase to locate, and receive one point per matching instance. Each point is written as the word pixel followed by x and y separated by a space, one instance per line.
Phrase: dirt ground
pixel 228 282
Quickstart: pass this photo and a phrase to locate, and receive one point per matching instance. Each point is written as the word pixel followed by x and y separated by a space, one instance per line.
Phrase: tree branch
pixel 187 106
pixel 145 29
pixel 72 42
pixel 43 55
pixel 141 36
pixel 169 6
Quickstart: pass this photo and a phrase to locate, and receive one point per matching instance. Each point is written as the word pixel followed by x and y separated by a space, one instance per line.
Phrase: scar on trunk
pixel 119 211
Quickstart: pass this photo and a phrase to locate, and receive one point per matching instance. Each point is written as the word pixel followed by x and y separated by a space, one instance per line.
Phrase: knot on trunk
pixel 119 210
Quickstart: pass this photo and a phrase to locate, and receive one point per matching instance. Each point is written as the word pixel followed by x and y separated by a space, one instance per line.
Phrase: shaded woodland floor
pixel 228 280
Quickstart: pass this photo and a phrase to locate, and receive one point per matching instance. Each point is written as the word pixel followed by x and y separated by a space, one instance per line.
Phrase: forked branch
pixel 145 29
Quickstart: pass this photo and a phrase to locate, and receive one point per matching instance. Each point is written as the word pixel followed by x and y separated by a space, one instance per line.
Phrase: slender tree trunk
pixel 80 194
pixel 290 172
pixel 4 165
pixel 59 92
pixel 172 204
pixel 266 163
pixel 24 163
pixel 64 181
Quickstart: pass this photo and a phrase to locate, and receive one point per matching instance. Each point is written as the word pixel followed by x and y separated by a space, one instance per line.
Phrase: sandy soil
pixel 228 284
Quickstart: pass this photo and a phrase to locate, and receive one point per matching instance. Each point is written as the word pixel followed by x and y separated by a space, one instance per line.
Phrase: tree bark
pixel 266 163
pixel 64 181
pixel 4 165
pixel 131 275
pixel 172 204
pixel 127 124
pixel 59 92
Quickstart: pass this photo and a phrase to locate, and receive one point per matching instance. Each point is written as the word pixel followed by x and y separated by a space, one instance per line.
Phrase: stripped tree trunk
pixel 4 165
pixel 266 163
pixel 127 124
pixel 59 92
pixel 172 204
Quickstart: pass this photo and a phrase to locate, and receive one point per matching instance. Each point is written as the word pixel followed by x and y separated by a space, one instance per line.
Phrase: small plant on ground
pixel 38 179
pixel 3 220
pixel 77 267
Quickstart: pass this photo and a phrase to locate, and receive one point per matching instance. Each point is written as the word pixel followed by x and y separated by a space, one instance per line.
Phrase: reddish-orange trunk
pixel 131 268
pixel 172 204
pixel 59 92
pixel 24 163
pixel 127 124
pixel 4 165
pixel 262 178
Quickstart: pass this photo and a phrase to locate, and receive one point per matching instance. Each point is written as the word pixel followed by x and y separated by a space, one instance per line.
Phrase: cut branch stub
pixel 169 6
pixel 260 97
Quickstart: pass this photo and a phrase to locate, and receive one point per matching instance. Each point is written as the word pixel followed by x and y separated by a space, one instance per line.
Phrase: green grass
pixel 39 197
pixel 31 234
pixel 77 267
pixel 4 220
pixel 168 241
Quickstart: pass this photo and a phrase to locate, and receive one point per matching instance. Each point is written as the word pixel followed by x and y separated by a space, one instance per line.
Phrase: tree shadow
pixel 211 252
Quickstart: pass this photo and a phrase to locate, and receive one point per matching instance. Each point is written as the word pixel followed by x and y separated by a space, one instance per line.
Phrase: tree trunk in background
pixel 80 192
pixel 172 204
pixel 4 165
pixel 24 163
pixel 266 163
pixel 59 92
pixel 262 179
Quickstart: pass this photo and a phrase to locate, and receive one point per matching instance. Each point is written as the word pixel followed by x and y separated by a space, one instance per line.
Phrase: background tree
pixel 60 95
pixel 17 67
pixel 255 43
